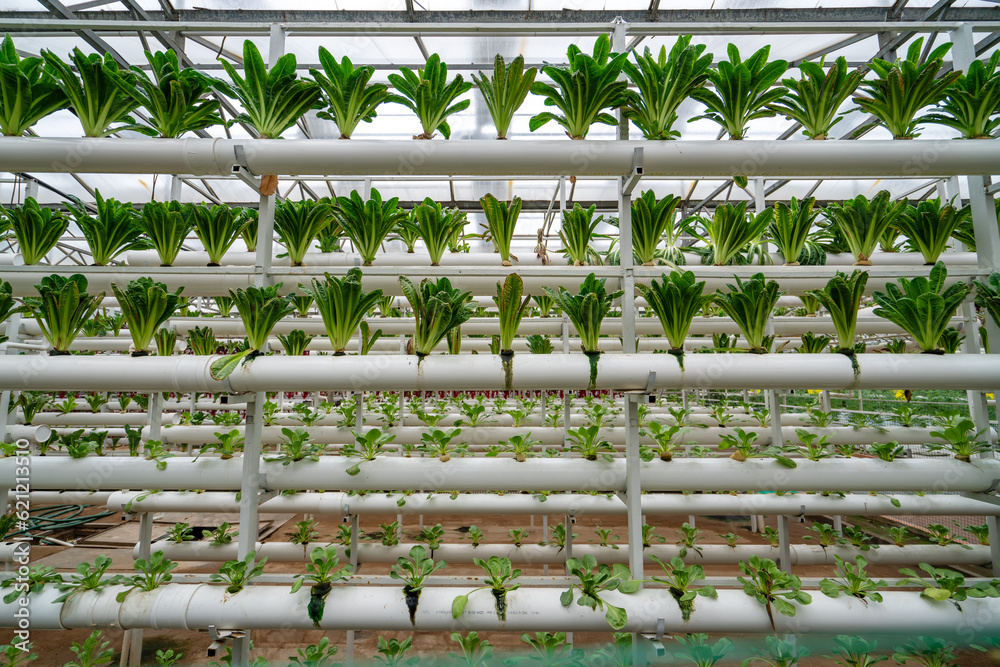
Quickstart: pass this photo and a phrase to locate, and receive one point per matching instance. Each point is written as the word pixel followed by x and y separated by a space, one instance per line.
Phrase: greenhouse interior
pixel 499 332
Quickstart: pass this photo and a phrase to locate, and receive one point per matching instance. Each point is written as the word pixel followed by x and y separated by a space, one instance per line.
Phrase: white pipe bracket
pixel 635 173
pixel 241 168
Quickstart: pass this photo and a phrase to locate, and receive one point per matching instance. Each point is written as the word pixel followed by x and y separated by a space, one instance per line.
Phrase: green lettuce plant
pixel 593 580
pixel 367 223
pixel 505 91
pixel 151 574
pixel 236 574
pixel 653 220
pixel 273 100
pixel 741 90
pixel 904 87
pixel 776 590
pixel 511 307
pixel 28 93
pixel 501 219
pixel 36 229
pixel 922 306
pixel 295 342
pixel 927 651
pixel 676 301
pixel 260 309
pixel 218 227
pixel 842 297
pixel 751 304
pixel 248 219
pixel 90 82
pixel 583 90
pixel 698 651
pixel 863 223
pixel 322 572
pixel 854 581
pixel 438 308
pixel 343 304
pixel 680 580
pixel 298 224
pixel 201 340
pixel 729 231
pixel 62 309
pixel 174 98
pixel 586 310
pixel 961 439
pixel 578 225
pixel 349 97
pixel 95 651
pixel 115 229
pixel 434 225
pixel 662 84
pixel 500 578
pixel 146 305
pixel 476 651
pixel 988 293
pixel 428 93
pixel 972 104
pixel 790 227
pixel 929 226
pixel 813 100
pixel 413 571
pixel 166 225
pixel 854 652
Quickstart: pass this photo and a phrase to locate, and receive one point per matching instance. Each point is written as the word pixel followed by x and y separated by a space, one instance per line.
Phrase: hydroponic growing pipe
pixel 334 503
pixel 623 373
pixel 424 475
pixel 534 554
pixel 319 157
pixel 193 607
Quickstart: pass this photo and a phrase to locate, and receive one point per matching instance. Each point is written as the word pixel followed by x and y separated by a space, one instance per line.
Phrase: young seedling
pixel 742 442
pixel 962 440
pixel 730 538
pixel 698 651
pixel 926 651
pixel 853 581
pixel 321 573
pixel 475 534
pixel 588 443
pixel 680 580
pixel 559 535
pixel 369 446
pixel 87 578
pixel 649 535
pixel 521 446
pixel 779 653
pixel 180 533
pixel 899 535
pixel 151 575
pixel 93 652
pixel 594 581
pixel 432 536
pixel 238 573
pixel 315 655
pixel 305 532
pixel 771 587
pixel 500 578
pixel 824 534
pixel 391 652
pixel 855 652
pixel 37 577
pixel 476 651
pixel 813 446
pixel 438 443
pixel 551 649
pixel 413 571
pixel 941 535
pixel 689 539
pixel 604 535
pixel 944 584
pixel 517 536
pixel 223 534
pixel 888 451
pixel 980 532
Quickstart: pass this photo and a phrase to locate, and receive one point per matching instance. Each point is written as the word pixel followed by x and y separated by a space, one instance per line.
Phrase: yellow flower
pixel 900 394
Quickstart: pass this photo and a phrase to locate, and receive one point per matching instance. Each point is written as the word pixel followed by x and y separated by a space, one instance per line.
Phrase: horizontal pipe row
pixel 537 554
pixel 624 372
pixel 425 475
pixel 332 503
pixel 196 607
pixel 479 280
pixel 319 157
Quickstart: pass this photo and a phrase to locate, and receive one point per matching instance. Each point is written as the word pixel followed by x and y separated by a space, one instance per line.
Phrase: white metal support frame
pixel 249 499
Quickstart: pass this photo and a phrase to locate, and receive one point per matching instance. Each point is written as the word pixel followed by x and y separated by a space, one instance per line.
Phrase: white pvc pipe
pixel 191 607
pixel 424 475
pixel 334 503
pixel 216 157
pixel 534 554
pixel 480 281
pixel 491 435
pixel 34 434
pixel 101 418
pixel 622 372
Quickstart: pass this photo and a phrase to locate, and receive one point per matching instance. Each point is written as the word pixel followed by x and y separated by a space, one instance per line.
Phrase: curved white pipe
pixel 216 157
pixel 654 504
pixel 190 607
pixel 623 372
pixel 425 475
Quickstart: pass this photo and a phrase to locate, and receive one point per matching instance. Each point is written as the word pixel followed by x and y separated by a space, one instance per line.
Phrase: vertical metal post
pixel 265 239
pixel 249 491
pixel 14 334
pixel 619 35
pixel 993 522
pixel 777 437
pixel 566 393
pixel 784 548
pixel 633 488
